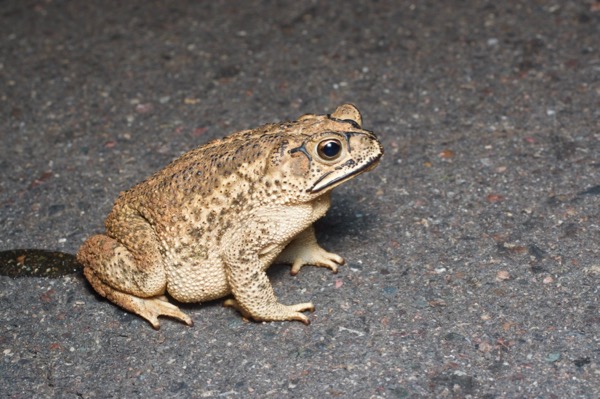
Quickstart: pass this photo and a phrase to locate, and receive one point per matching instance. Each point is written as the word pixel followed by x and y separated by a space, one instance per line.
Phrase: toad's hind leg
pixel 117 275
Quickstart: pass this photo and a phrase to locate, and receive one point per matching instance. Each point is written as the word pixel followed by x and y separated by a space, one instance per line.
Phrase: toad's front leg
pixel 249 251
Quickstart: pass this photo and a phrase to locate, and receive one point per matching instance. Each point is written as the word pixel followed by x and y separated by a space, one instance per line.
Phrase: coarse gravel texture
pixel 473 250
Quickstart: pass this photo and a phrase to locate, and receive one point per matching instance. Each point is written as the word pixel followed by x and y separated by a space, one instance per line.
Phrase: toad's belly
pixel 197 280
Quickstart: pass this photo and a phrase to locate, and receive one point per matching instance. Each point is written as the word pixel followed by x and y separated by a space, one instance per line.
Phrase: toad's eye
pixel 330 149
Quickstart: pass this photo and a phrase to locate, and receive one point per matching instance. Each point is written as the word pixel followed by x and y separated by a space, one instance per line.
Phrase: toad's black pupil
pixel 330 149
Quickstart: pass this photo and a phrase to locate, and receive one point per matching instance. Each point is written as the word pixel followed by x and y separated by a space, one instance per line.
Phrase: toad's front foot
pixel 276 312
pixel 317 256
pixel 305 251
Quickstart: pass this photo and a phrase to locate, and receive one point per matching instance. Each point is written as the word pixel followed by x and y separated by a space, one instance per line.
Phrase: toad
pixel 210 223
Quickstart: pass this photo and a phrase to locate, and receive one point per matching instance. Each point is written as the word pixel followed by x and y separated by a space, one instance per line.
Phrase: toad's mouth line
pixel 365 168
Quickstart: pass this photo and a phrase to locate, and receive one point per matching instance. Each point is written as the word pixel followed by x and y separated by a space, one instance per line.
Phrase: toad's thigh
pixel 115 265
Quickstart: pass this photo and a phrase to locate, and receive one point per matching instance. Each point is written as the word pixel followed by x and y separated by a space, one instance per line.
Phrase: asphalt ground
pixel 473 250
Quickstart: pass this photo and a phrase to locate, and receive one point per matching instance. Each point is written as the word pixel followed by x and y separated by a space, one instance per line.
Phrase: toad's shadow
pixel 38 263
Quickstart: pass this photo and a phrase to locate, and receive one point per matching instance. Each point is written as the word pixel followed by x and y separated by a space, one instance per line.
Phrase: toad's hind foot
pixel 151 308
pixel 278 312
pixel 148 308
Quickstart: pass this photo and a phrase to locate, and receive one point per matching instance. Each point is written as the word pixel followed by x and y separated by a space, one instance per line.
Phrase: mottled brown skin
pixel 210 223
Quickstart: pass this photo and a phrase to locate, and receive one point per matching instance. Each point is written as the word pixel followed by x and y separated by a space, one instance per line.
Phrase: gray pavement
pixel 473 251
